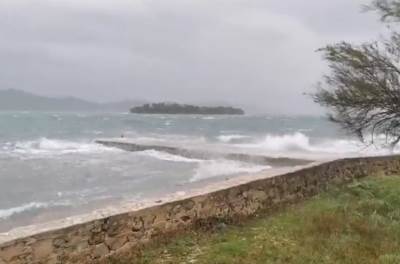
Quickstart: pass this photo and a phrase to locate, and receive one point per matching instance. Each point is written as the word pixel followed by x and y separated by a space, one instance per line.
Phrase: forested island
pixel 185 109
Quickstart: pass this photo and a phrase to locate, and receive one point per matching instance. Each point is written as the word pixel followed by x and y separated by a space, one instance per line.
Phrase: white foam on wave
pixel 296 141
pixel 299 142
pixel 166 156
pixel 213 168
pixel 230 138
pixel 56 147
pixel 32 206
pixel 7 146
pixel 7 213
pixel 206 169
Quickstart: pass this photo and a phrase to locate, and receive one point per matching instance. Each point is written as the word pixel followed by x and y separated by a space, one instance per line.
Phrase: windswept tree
pixel 389 10
pixel 362 89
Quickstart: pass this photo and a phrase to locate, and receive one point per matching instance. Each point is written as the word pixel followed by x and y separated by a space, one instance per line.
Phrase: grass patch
pixel 358 223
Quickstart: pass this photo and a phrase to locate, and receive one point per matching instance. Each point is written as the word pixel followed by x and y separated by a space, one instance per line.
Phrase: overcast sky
pixel 256 53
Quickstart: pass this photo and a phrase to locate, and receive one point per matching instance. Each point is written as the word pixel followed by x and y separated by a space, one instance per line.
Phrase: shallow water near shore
pixel 50 166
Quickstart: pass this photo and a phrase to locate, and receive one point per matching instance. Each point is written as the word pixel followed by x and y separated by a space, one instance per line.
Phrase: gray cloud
pixel 257 53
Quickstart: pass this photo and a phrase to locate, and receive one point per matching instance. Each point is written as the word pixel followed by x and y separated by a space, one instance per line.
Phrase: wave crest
pixel 301 143
pixel 231 138
pixel 55 147
pixel 296 141
pixel 7 213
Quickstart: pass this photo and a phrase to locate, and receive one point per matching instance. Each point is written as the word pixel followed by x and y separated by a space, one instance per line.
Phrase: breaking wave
pixel 205 169
pixel 299 142
pixel 54 147
pixel 213 168
pixel 231 138
pixel 7 213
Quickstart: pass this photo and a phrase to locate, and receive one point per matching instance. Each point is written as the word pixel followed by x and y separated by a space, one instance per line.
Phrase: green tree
pixel 362 89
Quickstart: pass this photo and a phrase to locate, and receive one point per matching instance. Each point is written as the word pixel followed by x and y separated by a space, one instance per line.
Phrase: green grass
pixel 358 223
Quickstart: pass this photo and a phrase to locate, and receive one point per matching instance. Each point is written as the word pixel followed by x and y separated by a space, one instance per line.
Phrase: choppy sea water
pixel 51 168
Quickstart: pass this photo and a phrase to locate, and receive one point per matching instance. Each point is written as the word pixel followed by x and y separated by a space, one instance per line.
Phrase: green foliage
pixel 173 108
pixel 358 223
pixel 363 88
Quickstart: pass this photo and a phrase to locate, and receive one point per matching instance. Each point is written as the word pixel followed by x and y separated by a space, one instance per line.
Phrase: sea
pixel 51 167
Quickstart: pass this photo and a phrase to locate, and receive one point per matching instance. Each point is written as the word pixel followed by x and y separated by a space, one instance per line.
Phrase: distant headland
pixel 19 100
pixel 185 109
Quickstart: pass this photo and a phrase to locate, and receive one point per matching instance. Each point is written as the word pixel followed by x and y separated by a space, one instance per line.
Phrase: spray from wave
pixel 300 143
pixel 297 141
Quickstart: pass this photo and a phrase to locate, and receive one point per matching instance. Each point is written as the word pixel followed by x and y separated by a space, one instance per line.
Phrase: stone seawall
pixel 119 235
